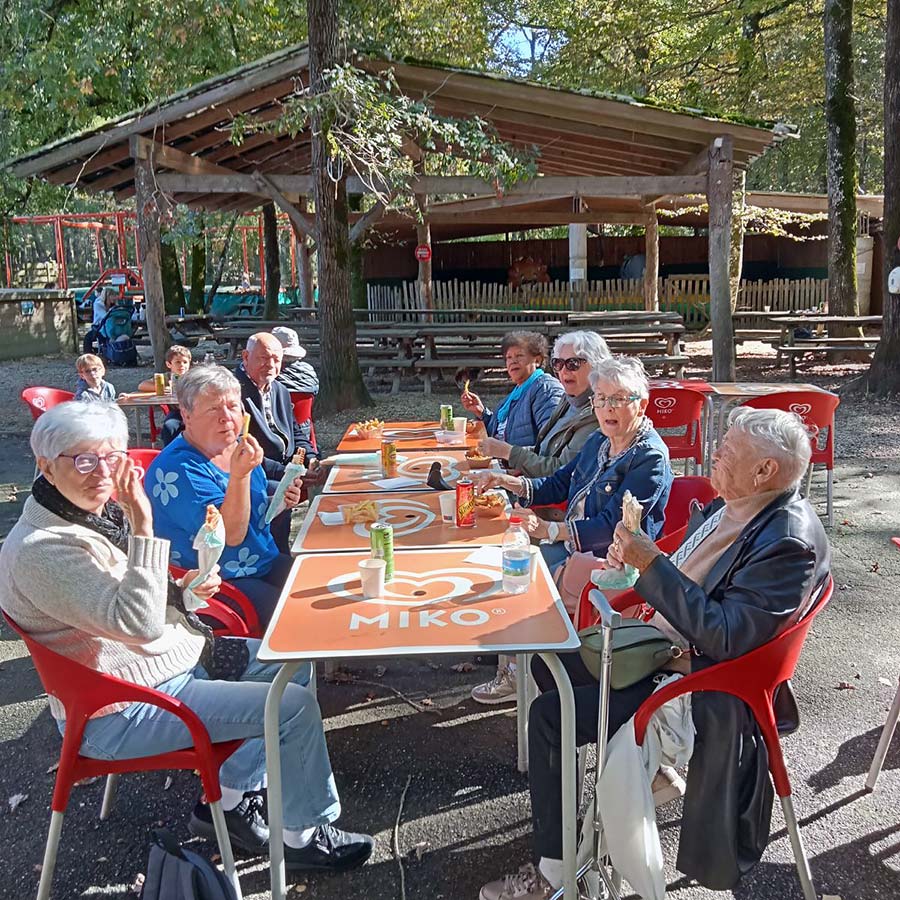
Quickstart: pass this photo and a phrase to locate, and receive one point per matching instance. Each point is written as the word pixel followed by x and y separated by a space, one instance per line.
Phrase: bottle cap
pixel 515 520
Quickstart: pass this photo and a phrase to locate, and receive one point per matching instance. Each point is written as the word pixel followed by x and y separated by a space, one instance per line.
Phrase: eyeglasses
pixel 85 463
pixel 612 402
pixel 573 363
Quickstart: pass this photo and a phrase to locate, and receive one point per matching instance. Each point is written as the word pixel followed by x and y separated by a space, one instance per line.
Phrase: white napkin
pixel 209 544
pixel 291 471
pixel 356 459
pixel 486 556
pixel 395 484
pixel 331 518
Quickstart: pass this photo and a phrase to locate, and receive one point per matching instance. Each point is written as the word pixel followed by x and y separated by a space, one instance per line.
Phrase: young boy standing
pixel 90 386
pixel 178 361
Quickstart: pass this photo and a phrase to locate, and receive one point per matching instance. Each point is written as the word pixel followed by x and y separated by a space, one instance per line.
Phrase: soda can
pixel 388 459
pixel 159 382
pixel 447 417
pixel 465 503
pixel 381 540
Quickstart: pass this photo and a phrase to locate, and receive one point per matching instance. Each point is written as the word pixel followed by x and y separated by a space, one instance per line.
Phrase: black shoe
pixel 246 826
pixel 330 850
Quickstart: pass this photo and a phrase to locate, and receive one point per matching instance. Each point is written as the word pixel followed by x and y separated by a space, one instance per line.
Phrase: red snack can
pixel 465 503
pixel 388 459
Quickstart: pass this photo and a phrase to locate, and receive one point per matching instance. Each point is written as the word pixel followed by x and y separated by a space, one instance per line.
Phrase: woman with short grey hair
pixel 212 463
pixel 575 356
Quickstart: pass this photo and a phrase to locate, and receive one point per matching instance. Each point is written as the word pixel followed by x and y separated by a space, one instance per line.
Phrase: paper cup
pixel 371 574
pixel 448 507
pixel 535 553
pixel 459 424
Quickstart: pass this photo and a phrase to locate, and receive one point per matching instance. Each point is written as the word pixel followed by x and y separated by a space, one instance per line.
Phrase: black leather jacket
pixel 763 583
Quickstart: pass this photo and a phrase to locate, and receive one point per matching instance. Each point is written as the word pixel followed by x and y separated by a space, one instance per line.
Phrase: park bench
pixel 793 346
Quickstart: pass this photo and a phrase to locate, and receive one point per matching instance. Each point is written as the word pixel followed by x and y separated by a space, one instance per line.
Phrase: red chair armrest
pixel 230 623
pixel 238 598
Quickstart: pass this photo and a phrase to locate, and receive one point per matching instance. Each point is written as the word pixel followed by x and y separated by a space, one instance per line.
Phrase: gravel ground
pixel 466 814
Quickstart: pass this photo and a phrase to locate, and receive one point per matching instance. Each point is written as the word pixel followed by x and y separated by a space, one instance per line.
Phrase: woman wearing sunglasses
pixel 533 399
pixel 575 355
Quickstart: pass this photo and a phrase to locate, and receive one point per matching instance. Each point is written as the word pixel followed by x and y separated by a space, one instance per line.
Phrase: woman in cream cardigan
pixel 85 576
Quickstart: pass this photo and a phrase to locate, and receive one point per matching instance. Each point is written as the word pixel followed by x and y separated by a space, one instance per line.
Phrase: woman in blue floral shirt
pixel 207 464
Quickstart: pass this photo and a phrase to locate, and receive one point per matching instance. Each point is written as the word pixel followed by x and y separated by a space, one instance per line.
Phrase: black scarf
pixel 218 658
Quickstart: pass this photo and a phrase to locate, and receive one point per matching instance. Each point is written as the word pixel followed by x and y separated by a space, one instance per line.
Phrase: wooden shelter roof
pixel 577 133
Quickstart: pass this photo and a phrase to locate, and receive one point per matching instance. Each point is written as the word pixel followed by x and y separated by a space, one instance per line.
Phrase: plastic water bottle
pixel 209 360
pixel 516 558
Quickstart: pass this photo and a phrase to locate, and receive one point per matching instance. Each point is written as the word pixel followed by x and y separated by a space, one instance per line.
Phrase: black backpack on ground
pixel 174 873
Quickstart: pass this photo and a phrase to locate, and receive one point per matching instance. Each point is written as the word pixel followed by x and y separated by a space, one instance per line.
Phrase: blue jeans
pixel 555 555
pixel 234 709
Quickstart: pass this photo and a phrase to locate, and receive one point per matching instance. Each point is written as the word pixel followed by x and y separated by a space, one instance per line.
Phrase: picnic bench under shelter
pixel 607 158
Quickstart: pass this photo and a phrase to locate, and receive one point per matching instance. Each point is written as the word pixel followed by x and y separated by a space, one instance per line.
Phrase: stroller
pixel 115 338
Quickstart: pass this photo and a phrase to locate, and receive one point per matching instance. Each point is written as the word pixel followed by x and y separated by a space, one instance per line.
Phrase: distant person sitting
pixel 296 375
pixel 90 386
pixel 178 362
pixel 104 301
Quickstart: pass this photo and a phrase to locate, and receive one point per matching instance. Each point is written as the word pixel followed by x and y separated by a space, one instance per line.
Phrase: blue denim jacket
pixel 529 413
pixel 644 470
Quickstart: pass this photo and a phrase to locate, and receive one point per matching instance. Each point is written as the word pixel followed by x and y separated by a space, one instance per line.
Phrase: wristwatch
pixel 553 532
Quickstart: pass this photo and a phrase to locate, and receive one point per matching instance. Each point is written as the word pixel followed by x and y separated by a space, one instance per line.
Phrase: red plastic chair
pixel 303 404
pixel 238 607
pixel 754 678
pixel 142 458
pixel 83 691
pixel 679 408
pixel 816 408
pixel 40 399
pixel 686 489
pixel 151 421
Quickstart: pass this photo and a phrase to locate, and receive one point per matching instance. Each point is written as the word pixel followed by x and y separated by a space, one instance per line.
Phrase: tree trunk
pixel 198 270
pixel 273 260
pixel 304 263
pixel 147 200
pixel 840 120
pixel 342 385
pixel 220 267
pixel 173 287
pixel 884 376
pixel 739 201
pixel 719 197
pixel 651 261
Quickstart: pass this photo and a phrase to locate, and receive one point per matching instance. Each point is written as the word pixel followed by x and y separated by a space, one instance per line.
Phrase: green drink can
pixel 447 416
pixel 381 537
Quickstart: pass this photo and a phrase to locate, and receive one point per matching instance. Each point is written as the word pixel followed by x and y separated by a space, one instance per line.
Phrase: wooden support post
pixel 304 264
pixel 737 234
pixel 651 256
pixel 577 262
pixel 423 238
pixel 719 197
pixel 147 202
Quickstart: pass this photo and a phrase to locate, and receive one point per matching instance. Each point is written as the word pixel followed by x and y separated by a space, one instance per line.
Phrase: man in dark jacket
pixel 272 420
pixel 750 566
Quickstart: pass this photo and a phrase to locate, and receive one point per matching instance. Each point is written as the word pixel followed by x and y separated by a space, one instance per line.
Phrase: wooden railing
pixel 684 294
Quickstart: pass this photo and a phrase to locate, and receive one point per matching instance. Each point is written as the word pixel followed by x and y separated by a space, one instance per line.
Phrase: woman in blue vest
pixel 533 399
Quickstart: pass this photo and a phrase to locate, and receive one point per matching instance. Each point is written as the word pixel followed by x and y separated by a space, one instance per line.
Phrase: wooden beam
pixel 651 261
pixel 635 186
pixel 517 218
pixel 719 198
pixel 305 224
pixel 478 204
pixel 162 156
pixel 366 221
pixel 697 164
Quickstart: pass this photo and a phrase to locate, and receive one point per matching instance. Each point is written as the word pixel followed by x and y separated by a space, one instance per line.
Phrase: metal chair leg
pixel 218 817
pixel 109 796
pixel 580 769
pixel 809 477
pixel 829 482
pixel 56 823
pixel 803 870
pixel 887 733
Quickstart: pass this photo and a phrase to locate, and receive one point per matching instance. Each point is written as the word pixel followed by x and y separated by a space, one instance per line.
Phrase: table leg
pixel 138 431
pixel 567 746
pixel 523 664
pixel 273 772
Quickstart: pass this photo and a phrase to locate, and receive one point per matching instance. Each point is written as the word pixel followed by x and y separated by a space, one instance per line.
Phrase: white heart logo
pixel 39 402
pixel 421 466
pixel 802 409
pixel 664 403
pixel 406 517
pixel 458 583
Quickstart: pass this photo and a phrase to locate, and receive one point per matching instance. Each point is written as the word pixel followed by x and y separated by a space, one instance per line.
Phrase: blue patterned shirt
pixel 180 482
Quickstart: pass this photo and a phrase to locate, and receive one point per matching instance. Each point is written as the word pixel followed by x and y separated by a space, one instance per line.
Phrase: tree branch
pixel 304 224
pixel 365 221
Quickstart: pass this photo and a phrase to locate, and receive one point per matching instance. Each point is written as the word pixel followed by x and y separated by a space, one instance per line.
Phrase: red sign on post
pixel 423 252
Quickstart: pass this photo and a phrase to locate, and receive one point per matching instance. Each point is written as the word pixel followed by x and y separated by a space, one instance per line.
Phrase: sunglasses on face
pixel 85 463
pixel 572 363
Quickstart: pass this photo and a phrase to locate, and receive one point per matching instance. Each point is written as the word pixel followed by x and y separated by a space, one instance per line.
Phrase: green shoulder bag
pixel 638 650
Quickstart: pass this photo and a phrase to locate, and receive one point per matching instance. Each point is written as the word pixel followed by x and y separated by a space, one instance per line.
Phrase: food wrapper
pixel 625 578
pixel 209 544
pixel 294 469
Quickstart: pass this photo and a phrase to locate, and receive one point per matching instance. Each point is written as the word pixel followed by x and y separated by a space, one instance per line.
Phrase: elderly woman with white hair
pixel 210 463
pixel 575 355
pixel 750 566
pixel 84 575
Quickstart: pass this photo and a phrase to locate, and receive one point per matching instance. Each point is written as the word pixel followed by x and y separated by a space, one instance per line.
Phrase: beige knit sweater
pixel 75 592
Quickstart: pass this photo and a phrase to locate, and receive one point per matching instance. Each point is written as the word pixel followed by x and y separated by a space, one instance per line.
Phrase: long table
pixel 406 435
pixel 138 402
pixel 443 601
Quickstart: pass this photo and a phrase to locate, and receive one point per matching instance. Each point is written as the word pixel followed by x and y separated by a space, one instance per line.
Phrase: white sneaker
pixel 501 690
pixel 526 884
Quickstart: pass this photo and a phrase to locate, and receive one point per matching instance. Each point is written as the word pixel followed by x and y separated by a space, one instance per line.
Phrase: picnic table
pixel 442 601
pixel 792 346
pixel 356 474
pixel 140 401
pixel 406 435
pixel 188 330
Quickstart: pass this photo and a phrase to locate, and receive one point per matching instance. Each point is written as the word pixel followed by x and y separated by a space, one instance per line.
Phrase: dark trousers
pixel 263 591
pixel 544 743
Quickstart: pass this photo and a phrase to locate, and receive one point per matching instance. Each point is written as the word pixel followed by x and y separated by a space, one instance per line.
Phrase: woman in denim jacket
pixel 533 399
pixel 626 454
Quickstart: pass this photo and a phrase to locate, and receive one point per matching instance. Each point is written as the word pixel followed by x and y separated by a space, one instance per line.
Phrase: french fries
pixel 299 456
pixel 363 513
pixel 466 387
pixel 369 428
pixel 246 427
pixel 213 516
pixel 632 511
